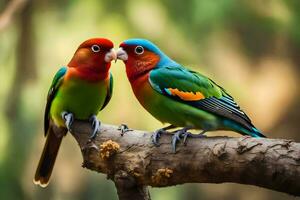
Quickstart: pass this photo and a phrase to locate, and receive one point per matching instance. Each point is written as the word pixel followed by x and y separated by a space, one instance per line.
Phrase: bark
pixel 134 163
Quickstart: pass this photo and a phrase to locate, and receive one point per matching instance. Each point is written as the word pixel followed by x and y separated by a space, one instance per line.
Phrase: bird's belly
pixel 177 113
pixel 83 99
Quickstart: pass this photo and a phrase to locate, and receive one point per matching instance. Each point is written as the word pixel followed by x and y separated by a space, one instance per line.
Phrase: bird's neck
pixel 136 75
pixel 138 68
pixel 138 86
pixel 89 73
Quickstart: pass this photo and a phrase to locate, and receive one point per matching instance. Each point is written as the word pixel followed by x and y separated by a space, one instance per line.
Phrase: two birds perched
pixel 167 90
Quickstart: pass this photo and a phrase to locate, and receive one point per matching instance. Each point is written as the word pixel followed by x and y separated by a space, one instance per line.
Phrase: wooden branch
pixel 133 163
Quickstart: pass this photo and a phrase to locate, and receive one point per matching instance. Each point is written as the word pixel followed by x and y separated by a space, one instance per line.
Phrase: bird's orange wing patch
pixel 187 96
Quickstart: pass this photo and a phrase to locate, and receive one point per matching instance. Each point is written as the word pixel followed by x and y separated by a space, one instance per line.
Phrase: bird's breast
pixel 80 97
pixel 142 88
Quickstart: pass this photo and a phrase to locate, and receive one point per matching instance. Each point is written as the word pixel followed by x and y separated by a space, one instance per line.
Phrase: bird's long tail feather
pixel 47 160
pixel 256 133
pixel 253 132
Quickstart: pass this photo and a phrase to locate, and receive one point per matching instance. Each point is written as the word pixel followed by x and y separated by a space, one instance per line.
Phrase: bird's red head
pixel 93 58
pixel 139 60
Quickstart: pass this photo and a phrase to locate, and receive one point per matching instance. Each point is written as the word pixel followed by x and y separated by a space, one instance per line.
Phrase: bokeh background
pixel 252 48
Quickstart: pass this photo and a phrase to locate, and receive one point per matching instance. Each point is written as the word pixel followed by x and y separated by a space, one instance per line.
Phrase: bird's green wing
pixel 56 82
pixel 194 89
pixel 109 91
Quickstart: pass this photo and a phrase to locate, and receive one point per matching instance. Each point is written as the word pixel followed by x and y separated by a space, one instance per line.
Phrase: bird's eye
pixel 139 50
pixel 95 48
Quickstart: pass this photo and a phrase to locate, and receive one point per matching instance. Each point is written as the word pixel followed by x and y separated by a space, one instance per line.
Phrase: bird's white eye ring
pixel 95 48
pixel 139 50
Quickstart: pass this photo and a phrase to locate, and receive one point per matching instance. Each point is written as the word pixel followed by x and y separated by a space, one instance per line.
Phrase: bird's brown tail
pixel 47 160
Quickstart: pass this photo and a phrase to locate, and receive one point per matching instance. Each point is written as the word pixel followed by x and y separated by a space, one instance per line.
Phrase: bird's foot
pixel 156 135
pixel 188 134
pixel 124 129
pixel 177 137
pixel 95 126
pixel 68 117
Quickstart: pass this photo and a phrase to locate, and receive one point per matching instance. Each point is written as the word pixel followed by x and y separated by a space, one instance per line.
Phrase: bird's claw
pixel 188 134
pixel 183 133
pixel 68 118
pixel 95 126
pixel 177 135
pixel 185 138
pixel 156 135
pixel 124 129
pixel 175 139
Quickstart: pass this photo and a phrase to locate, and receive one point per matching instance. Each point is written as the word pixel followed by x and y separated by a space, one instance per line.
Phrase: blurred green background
pixel 252 48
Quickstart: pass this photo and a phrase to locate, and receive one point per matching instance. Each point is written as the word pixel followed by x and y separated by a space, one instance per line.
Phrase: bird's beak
pixel 111 55
pixel 121 54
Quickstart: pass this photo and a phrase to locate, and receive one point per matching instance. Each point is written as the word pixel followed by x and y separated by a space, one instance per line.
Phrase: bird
pixel 78 91
pixel 173 94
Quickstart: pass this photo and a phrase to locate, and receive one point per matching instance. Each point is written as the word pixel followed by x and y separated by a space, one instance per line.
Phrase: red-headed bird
pixel 178 96
pixel 78 91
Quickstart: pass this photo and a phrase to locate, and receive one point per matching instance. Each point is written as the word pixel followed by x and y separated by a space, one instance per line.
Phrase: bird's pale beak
pixel 121 54
pixel 111 55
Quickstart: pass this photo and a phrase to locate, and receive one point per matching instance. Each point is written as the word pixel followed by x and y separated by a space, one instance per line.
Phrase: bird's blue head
pixel 143 51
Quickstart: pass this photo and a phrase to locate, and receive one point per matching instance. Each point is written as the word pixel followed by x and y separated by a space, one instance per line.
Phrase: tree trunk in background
pixel 21 127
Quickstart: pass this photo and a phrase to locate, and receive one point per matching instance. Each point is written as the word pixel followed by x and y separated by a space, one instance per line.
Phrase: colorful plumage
pixel 78 91
pixel 173 94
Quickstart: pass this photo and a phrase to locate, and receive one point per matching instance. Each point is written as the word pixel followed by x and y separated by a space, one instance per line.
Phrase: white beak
pixel 111 55
pixel 121 54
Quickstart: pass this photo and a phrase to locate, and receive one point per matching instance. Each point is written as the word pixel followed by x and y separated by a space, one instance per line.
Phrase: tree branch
pixel 133 163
